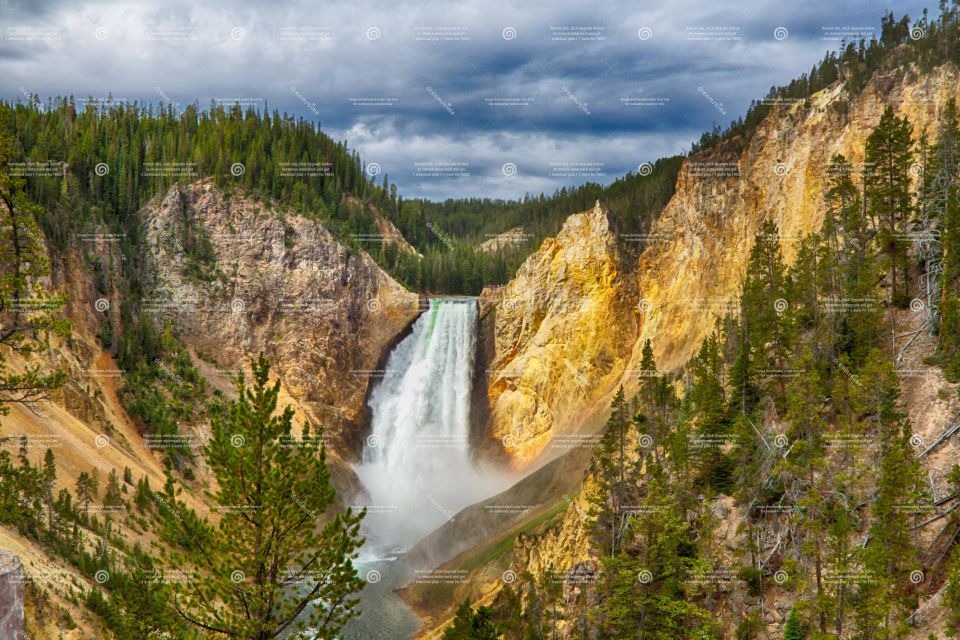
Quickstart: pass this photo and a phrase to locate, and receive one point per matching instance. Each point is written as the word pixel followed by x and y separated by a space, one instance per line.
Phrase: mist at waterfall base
pixel 417 467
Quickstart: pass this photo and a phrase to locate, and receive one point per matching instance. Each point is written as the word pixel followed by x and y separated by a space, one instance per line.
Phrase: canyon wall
pixel 699 245
pixel 570 327
pixel 561 330
pixel 235 278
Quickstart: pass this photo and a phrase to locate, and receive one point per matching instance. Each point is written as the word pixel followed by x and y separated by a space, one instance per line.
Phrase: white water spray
pixel 417 468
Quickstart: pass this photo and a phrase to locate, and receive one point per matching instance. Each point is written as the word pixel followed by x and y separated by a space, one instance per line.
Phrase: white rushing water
pixel 417 467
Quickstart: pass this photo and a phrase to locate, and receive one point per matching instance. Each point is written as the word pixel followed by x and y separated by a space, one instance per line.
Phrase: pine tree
pixel 510 612
pixel 612 462
pixel 707 393
pixel 643 590
pixel 707 399
pixel 765 308
pixel 942 197
pixel 842 200
pixel 111 495
pixel 794 628
pixel 472 625
pixel 143 497
pixel 848 265
pixel 804 477
pixel 888 156
pixel 648 375
pixel 550 585
pixel 842 523
pixel 141 600
pixel 84 489
pixel 808 282
pixel 846 226
pixel 28 312
pixel 949 343
pixel 277 487
pixel 744 394
pixel 890 555
pixel 951 599
pixel 657 404
pixel 49 482
pixel 95 482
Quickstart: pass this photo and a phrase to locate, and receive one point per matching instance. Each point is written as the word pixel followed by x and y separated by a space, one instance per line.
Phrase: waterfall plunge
pixel 417 468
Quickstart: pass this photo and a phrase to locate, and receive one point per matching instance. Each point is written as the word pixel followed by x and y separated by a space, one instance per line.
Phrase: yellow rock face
pixel 569 328
pixel 563 331
pixel 722 198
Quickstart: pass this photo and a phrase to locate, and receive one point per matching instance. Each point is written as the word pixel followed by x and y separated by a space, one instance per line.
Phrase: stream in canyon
pixel 418 469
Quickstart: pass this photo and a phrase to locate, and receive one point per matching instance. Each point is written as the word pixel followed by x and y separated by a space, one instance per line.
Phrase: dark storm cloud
pixel 440 95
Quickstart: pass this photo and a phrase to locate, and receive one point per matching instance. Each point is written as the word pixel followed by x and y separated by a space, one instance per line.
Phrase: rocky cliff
pixel 235 278
pixel 11 595
pixel 688 275
pixel 506 240
pixel 700 243
pixel 571 325
pixel 928 398
pixel 558 335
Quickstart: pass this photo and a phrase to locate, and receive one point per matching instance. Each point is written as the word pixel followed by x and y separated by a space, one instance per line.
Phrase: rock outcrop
pixel 688 276
pixel 700 244
pixel 11 596
pixel 508 239
pixel 570 327
pixel 562 332
pixel 235 279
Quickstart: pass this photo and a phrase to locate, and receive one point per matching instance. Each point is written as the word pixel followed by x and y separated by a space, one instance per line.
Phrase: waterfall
pixel 417 468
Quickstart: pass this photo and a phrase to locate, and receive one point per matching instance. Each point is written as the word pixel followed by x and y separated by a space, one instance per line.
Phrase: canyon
pixel 552 345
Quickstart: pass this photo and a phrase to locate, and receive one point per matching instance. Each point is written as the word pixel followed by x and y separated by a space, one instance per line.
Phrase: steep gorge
pixel 570 326
pixel 557 339
pixel 232 278
pixel 700 243
pixel 276 282
pixel 688 275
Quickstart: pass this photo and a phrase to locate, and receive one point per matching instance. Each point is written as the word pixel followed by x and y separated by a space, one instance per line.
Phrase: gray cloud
pixel 442 95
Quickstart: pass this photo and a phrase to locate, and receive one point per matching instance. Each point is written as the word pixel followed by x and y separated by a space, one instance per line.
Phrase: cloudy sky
pixel 451 99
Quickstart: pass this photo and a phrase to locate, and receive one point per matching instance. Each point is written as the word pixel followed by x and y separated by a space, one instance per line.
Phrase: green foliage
pixel 644 591
pixel 138 603
pixel 232 147
pixel 794 628
pixel 795 371
pixel 615 475
pixel 848 269
pixel 744 393
pixel 951 599
pixel 708 394
pixel 28 312
pixel 472 625
pixel 161 394
pixel 274 490
pixel 249 150
pixel 750 626
pixel 765 306
pixel 940 203
pixel 891 556
pixel 887 187
pixel 752 578
pixel 927 44
pixel 447 233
